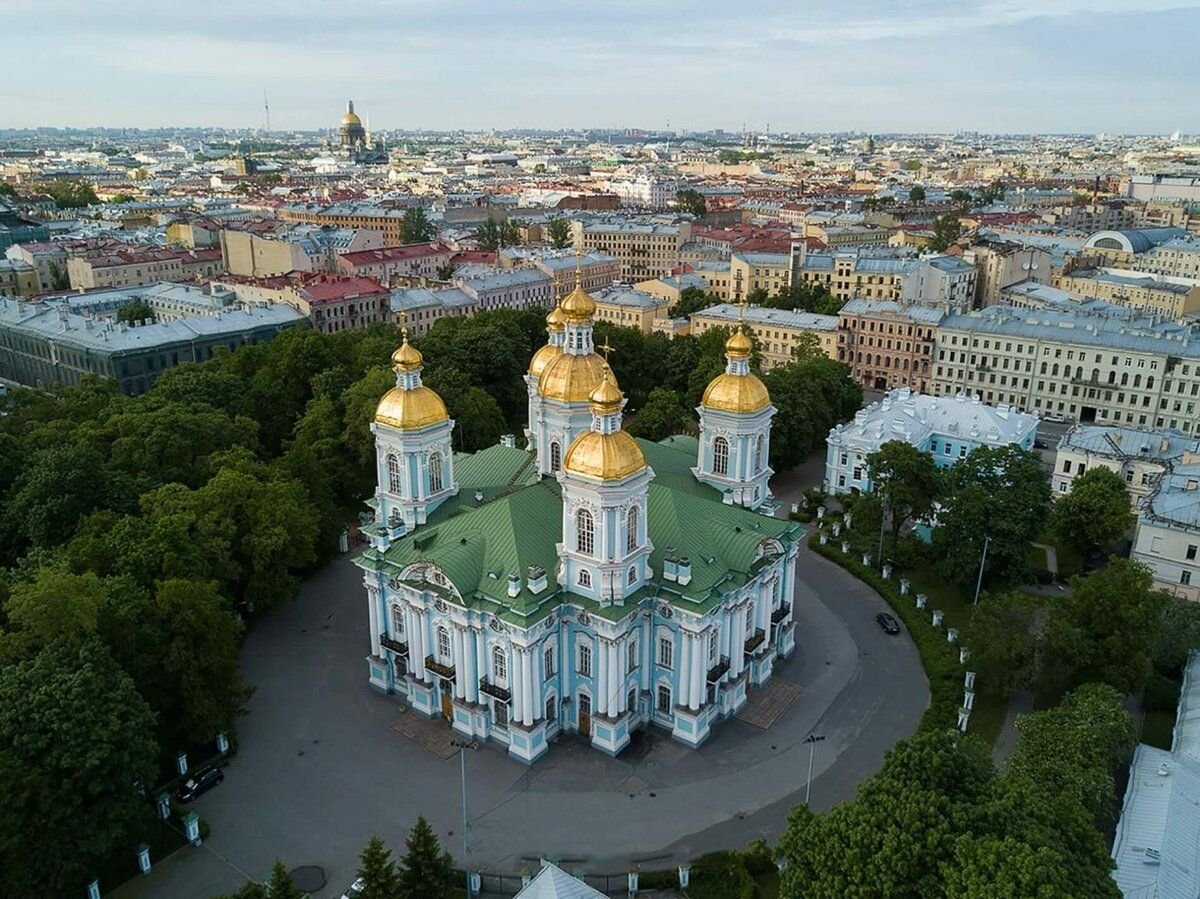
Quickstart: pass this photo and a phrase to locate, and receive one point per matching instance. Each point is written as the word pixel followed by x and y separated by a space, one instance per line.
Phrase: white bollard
pixel 887 571
pixel 952 635
pixel 181 763
pixel 969 680
pixel 633 883
pixel 685 873
pixel 143 855
pixel 963 655
pixel 921 600
pixel 964 715
pixel 968 699
pixel 846 547
pixel 905 586
pixel 866 557
pixel 93 890
pixel 824 538
pixel 837 529
pixel 937 617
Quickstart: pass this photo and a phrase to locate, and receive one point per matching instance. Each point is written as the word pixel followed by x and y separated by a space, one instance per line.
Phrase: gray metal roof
pixel 783 318
pixel 1115 442
pixel 925 315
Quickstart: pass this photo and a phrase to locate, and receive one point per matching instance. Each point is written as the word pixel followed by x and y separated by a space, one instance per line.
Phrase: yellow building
pixel 18 279
pixel 646 249
pixel 778 331
pixel 630 308
pixel 749 272
pixel 1154 293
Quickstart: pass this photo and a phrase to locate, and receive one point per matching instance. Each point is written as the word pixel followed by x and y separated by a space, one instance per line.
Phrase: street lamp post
pixel 812 740
pixel 463 746
pixel 982 562
pixel 882 521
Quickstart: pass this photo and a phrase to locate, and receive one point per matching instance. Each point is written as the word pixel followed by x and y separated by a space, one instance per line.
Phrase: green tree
pixel 812 394
pixel 281 886
pixel 251 890
pixel 992 193
pixel 559 233
pixel 691 200
pixel 1074 748
pixel 906 480
pixel 416 227
pixel 59 278
pixel 1000 633
pixel 510 233
pixel 998 493
pixel 72 194
pixel 912 165
pixel 378 872
pixel 489 235
pixel 7 190
pixel 661 416
pixel 479 421
pixel 121 198
pixel 691 300
pixel 445 272
pixel 916 194
pixel 1104 629
pixel 946 230
pixel 1178 634
pixel 425 870
pixel 960 197
pixel 1096 511
pixel 75 742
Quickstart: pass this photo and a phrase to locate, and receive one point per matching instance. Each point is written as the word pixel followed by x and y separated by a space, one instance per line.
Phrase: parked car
pixel 200 782
pixel 889 624
pixel 354 890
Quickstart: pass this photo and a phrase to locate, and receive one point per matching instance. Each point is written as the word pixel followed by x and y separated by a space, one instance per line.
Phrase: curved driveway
pixel 320 770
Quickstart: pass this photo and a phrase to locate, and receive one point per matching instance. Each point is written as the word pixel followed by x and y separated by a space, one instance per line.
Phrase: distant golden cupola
pixel 737 389
pixel 605 452
pixel 555 326
pixel 410 405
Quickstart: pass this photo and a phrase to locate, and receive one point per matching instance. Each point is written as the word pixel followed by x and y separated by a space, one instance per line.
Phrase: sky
pixel 1030 66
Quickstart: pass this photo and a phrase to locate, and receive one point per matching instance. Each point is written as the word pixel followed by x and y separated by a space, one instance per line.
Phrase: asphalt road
pixel 319 769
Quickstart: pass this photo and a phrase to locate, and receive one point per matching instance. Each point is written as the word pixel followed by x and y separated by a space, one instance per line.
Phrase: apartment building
pixel 646 249
pixel 778 331
pixel 599 270
pixel 1159 294
pixel 630 307
pixel 405 264
pixel 350 215
pixel 1138 455
pixel 518 288
pixel 1104 365
pixel 18 279
pixel 1003 263
pixel 888 344
pixel 1167 536
pixel 332 303
pixel 301 248
pixel 133 266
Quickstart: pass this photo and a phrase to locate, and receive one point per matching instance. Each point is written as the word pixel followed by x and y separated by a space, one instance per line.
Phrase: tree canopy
pixel 906 480
pixel 425 871
pixel 559 233
pixel 493 235
pixel 1095 513
pixel 72 194
pixel 691 200
pixel 415 226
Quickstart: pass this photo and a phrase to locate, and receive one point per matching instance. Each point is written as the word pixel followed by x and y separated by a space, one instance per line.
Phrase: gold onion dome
pixel 578 308
pixel 606 398
pixel 739 345
pixel 740 394
pixel 569 378
pixel 555 320
pixel 542 358
pixel 409 410
pixel 407 357
pixel 609 457
pixel 350 118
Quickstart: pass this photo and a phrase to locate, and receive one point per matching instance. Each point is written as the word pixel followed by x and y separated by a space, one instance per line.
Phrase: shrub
pixel 721 875
pixel 1162 694
pixel 658 880
pixel 759 858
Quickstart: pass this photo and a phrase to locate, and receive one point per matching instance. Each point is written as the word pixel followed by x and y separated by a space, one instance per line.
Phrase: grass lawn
pixel 1069 560
pixel 1036 557
pixel 1157 728
pixel 988 715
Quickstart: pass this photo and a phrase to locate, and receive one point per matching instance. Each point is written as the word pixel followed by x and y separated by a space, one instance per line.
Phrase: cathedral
pixel 590 583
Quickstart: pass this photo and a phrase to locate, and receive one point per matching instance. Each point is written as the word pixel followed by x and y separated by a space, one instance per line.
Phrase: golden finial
pixel 408 356
pixel 579 262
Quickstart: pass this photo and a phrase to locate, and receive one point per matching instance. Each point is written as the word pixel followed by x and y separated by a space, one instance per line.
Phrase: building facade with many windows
pixel 888 344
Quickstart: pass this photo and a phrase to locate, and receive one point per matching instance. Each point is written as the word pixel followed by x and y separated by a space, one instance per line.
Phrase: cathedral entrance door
pixel 585 714
pixel 447 705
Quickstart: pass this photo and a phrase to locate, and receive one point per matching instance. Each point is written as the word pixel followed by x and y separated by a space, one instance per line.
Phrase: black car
pixel 198 783
pixel 889 624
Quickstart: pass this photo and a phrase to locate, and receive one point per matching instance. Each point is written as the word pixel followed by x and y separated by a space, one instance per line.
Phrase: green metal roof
pixel 519 523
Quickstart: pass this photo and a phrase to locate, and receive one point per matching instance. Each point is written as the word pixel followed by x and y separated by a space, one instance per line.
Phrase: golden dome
pixel 578 308
pixel 739 345
pixel 609 457
pixel 542 358
pixel 407 357
pixel 570 378
pixel 351 118
pixel 736 393
pixel 410 410
pixel 555 320
pixel 607 397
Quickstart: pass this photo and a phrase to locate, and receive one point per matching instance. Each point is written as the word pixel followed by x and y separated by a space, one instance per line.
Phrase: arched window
pixel 664 699
pixel 632 575
pixel 585 578
pixel 555 456
pixel 631 700
pixel 551 708
pixel 720 456
pixel 397 622
pixel 760 461
pixel 499 664
pixel 393 470
pixel 435 472
pixel 631 529
pixel 585 532
pixel 443 637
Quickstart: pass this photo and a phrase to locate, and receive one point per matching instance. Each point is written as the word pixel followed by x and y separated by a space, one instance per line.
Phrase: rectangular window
pixel 1191 552
pixel 713 643
pixel 585 660
pixel 664 699
pixel 632 651
pixel 548 661
pixel 666 652
pixel 1185 577
pixel 1066 466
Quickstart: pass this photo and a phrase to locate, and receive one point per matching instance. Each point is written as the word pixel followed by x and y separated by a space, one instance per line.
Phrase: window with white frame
pixel 760 461
pixel 585 532
pixel 395 482
pixel 555 456
pixel 666 652
pixel 585 578
pixel 548 661
pixel 664 699
pixel 499 664
pixel 631 529
pixel 713 646
pixel 720 456
pixel 551 708
pixel 398 622
pixel 435 472
pixel 585 660
pixel 631 649
pixel 443 644
pixel 750 620
pixel 499 713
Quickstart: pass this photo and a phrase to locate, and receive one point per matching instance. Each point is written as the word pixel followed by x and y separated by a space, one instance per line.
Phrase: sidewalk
pixel 1006 744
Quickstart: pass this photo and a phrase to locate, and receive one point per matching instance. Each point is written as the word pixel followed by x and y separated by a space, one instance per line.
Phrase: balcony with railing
pixel 781 613
pixel 394 645
pixel 755 641
pixel 438 668
pixel 494 690
pixel 718 671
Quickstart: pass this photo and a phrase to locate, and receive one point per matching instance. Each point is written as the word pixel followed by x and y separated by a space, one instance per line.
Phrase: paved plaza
pixel 324 761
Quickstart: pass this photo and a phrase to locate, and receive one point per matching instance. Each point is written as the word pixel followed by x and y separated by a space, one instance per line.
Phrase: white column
pixel 684 665
pixel 527 686
pixel 699 658
pixel 460 667
pixel 516 687
pixel 737 640
pixel 416 641
pixel 622 651
pixel 615 698
pixel 539 701
pixel 647 649
pixel 471 665
pixel 373 612
pixel 601 680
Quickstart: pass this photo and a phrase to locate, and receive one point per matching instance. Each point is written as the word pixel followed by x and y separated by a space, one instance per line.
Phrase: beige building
pixel 350 215
pixel 837 237
pixel 758 271
pixel 778 331
pixel 1139 290
pixel 137 266
pixel 1093 366
pixel 301 249
pixel 630 308
pixel 1000 264
pixel 1138 455
pixel 18 279
pixel 888 345
pixel 669 289
pixel 646 249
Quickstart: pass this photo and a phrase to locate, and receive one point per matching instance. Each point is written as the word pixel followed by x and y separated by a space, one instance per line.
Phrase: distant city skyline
pixel 1013 66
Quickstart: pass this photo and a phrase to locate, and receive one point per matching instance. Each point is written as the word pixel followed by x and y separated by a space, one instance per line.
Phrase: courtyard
pixel 323 761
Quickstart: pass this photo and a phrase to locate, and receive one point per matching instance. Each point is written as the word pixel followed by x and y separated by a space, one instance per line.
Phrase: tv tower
pixel 266 113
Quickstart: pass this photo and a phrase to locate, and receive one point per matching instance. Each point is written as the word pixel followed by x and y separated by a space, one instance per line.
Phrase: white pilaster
pixel 535 662
pixel 471 665
pixel 373 603
pixel 699 657
pixel 527 686
pixel 416 641
pixel 616 696
pixel 685 666
pixel 601 677
pixel 517 687
pixel 460 663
